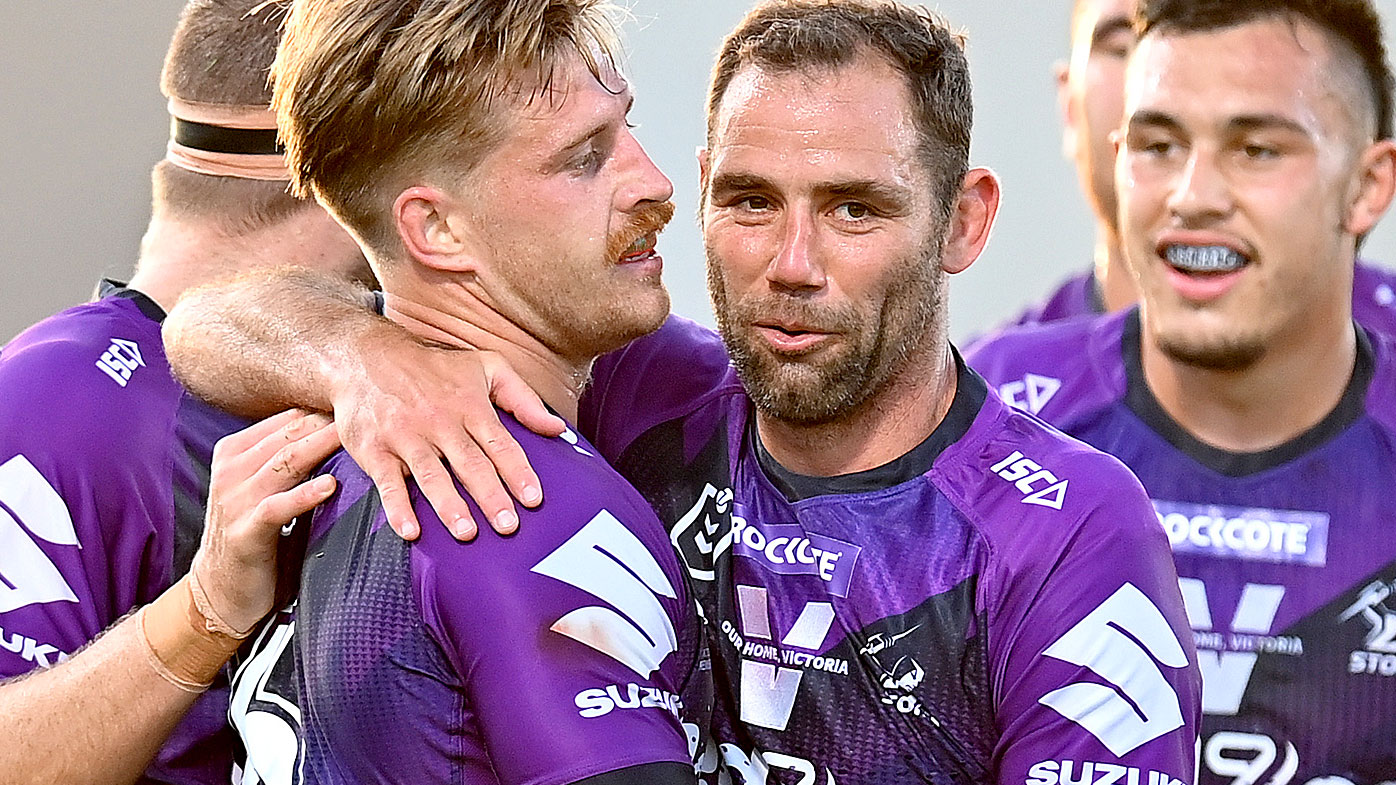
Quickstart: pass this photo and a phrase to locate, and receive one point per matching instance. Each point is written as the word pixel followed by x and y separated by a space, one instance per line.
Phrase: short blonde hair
pixel 373 96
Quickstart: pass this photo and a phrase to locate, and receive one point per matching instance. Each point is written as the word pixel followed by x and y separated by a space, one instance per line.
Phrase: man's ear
pixel 972 219
pixel 432 230
pixel 1375 186
pixel 1061 71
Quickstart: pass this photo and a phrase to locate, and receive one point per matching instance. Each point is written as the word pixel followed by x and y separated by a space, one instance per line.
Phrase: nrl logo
pixel 704 532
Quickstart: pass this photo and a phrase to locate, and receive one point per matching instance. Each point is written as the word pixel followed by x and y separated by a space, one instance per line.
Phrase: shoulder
pixel 689 357
pixel 1381 392
pixel 88 382
pixel 1374 297
pixel 584 498
pixel 1071 298
pixel 1054 370
pixel 1035 492
pixel 666 374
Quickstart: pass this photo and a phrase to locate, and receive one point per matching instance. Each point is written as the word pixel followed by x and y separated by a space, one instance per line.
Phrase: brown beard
pixel 834 382
pixel 1235 355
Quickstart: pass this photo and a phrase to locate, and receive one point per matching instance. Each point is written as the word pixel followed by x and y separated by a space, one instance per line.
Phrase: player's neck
pixel 1112 277
pixel 1289 390
pixel 471 325
pixel 892 422
pixel 177 256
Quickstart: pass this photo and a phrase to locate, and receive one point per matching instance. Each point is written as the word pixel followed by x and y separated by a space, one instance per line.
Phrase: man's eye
pixel 754 203
pixel 1259 152
pixel 589 162
pixel 1154 147
pixel 853 211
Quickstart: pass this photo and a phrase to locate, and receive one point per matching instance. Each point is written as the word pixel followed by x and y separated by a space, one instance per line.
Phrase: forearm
pixel 272 339
pixel 101 716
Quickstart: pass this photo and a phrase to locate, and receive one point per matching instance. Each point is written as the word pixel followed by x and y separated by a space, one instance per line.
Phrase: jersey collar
pixel 108 287
pixel 970 392
pixel 1140 399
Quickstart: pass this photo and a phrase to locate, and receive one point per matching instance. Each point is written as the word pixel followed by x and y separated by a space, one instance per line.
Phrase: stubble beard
pixel 621 316
pixel 835 382
pixel 1227 354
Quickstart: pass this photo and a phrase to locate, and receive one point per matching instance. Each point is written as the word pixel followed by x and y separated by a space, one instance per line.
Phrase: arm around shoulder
pixel 273 338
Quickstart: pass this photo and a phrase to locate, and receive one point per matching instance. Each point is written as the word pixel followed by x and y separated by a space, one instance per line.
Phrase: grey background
pixel 84 121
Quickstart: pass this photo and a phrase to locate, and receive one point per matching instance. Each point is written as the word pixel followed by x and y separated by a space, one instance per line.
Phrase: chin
pixel 1212 353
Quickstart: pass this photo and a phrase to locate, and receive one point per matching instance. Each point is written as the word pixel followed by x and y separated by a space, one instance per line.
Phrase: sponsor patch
pixel 1249 533
pixel 787 549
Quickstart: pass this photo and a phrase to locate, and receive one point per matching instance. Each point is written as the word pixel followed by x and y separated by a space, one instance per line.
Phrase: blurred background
pixel 84 121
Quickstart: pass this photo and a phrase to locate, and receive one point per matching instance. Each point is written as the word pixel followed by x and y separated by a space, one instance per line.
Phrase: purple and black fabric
pixel 1286 558
pixel 104 466
pixel 995 606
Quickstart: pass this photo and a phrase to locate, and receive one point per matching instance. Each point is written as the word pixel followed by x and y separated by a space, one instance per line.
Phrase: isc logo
pixel 120 360
pixel 1040 486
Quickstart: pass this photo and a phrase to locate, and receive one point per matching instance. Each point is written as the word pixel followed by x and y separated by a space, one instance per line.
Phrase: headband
pixel 225 140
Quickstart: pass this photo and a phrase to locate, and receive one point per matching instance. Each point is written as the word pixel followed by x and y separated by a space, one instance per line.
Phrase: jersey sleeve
pixel 1091 654
pixel 567 646
pixel 84 450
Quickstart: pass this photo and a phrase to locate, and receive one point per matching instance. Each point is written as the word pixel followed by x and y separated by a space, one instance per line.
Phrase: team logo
pixel 704 532
pixel 609 562
pixel 1250 533
pixel 899 675
pixel 120 360
pixel 30 510
pixel 787 549
pixel 1039 486
pixel 1378 652
pixel 1030 393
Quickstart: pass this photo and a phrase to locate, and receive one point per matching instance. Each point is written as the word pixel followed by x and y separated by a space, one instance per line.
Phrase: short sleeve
pixel 85 501
pixel 1091 653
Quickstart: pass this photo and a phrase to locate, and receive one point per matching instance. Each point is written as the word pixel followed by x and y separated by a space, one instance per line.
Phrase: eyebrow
pixel 1109 26
pixel 727 182
pixel 1246 122
pixel 875 190
pixel 868 189
pixel 1153 118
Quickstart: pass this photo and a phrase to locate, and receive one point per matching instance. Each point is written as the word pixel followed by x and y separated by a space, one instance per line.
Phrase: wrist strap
pixel 213 622
pixel 178 643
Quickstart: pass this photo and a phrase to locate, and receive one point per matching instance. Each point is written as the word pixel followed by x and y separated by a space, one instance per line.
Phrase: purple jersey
pixel 1286 556
pixel 1373 299
pixel 103 477
pixel 567 650
pixel 996 606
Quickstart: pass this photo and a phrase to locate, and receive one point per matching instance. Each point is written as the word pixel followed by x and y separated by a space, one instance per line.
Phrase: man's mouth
pixel 641 249
pixel 1204 259
pixel 791 339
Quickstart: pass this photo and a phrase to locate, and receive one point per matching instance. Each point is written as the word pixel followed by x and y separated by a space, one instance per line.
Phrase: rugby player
pixel 104 460
pixel 1256 153
pixel 1090 89
pixel 905 579
pixel 481 156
